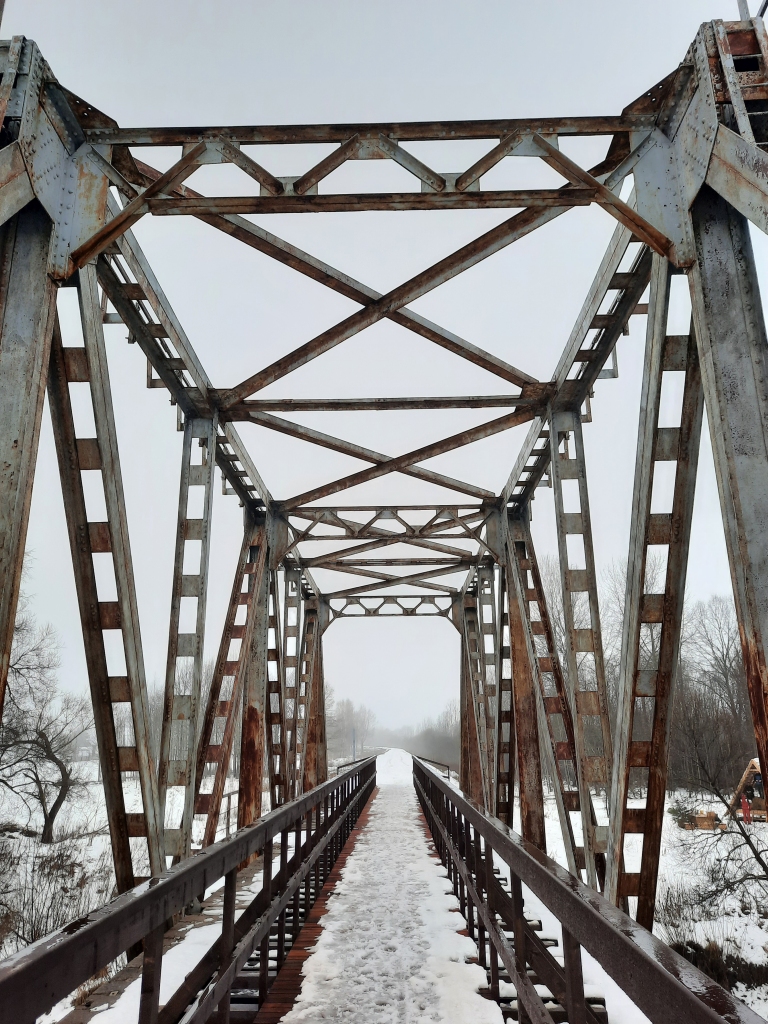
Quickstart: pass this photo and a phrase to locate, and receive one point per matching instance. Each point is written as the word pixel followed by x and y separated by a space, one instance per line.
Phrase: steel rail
pixel 36 978
pixel 661 983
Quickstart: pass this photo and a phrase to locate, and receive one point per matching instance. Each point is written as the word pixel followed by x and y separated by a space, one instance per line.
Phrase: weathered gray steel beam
pixel 733 351
pixel 27 305
pixel 184 667
pixel 653 620
pixel 414 131
pixel 444 270
pixel 15 187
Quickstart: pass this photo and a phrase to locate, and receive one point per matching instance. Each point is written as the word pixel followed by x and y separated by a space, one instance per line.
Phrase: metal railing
pixel 318 824
pixel 661 983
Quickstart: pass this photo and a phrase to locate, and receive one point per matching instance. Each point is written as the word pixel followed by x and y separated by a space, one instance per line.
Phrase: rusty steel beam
pixel 242 412
pixel 444 270
pixel 414 131
pixel 414 579
pixel 502 199
pixel 356 451
pixel 291 256
pixel 401 462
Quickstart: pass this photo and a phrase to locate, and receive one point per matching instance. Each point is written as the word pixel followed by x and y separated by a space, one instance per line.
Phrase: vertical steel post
pixel 305 671
pixel 208 753
pixel 471 780
pixel 479 697
pixel 526 716
pixel 183 681
pixel 552 699
pixel 234 663
pixel 653 620
pixel 315 758
pixel 252 743
pixel 27 304
pixel 588 692
pixel 275 725
pixel 291 640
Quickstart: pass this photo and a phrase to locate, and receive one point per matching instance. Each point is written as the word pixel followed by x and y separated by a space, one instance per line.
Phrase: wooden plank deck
pixel 287 985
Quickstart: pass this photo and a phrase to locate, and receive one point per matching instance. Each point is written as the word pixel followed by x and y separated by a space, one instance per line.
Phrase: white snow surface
pixel 389 949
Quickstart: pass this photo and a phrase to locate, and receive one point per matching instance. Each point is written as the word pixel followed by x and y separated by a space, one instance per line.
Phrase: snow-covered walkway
pixel 389 949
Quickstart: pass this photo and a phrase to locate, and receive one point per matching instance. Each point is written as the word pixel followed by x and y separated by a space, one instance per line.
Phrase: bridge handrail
pixel 37 977
pixel 661 983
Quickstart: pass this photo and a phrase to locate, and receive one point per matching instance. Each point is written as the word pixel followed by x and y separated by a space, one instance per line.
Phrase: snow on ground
pixel 389 949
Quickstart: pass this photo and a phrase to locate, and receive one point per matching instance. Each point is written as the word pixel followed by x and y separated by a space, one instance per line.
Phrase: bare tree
pixel 38 740
pixel 41 725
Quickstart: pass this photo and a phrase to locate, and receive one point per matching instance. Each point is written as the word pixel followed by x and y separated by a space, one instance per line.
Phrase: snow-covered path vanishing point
pixel 389 949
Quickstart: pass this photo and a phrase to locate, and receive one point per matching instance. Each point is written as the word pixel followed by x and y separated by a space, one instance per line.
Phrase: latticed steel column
pixel 184 668
pixel 304 693
pixel 101 454
pixel 291 639
pixel 505 716
pixel 276 750
pixel 480 699
pixel 653 620
pixel 470 774
pixel 588 693
pixel 70 365
pixel 231 663
pixel 315 758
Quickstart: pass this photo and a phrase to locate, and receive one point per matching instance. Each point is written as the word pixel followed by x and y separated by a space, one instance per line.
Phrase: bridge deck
pixel 390 945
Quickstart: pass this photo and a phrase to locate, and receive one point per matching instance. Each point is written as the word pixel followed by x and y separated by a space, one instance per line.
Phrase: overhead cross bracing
pixel 682 173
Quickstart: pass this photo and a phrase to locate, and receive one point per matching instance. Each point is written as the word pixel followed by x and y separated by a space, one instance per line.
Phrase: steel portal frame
pixel 72 186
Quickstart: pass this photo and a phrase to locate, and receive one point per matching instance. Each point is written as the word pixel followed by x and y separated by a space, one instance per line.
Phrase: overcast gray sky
pixel 193 63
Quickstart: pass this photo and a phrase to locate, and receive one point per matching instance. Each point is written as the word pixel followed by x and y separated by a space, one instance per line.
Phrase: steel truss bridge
pixel 73 183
